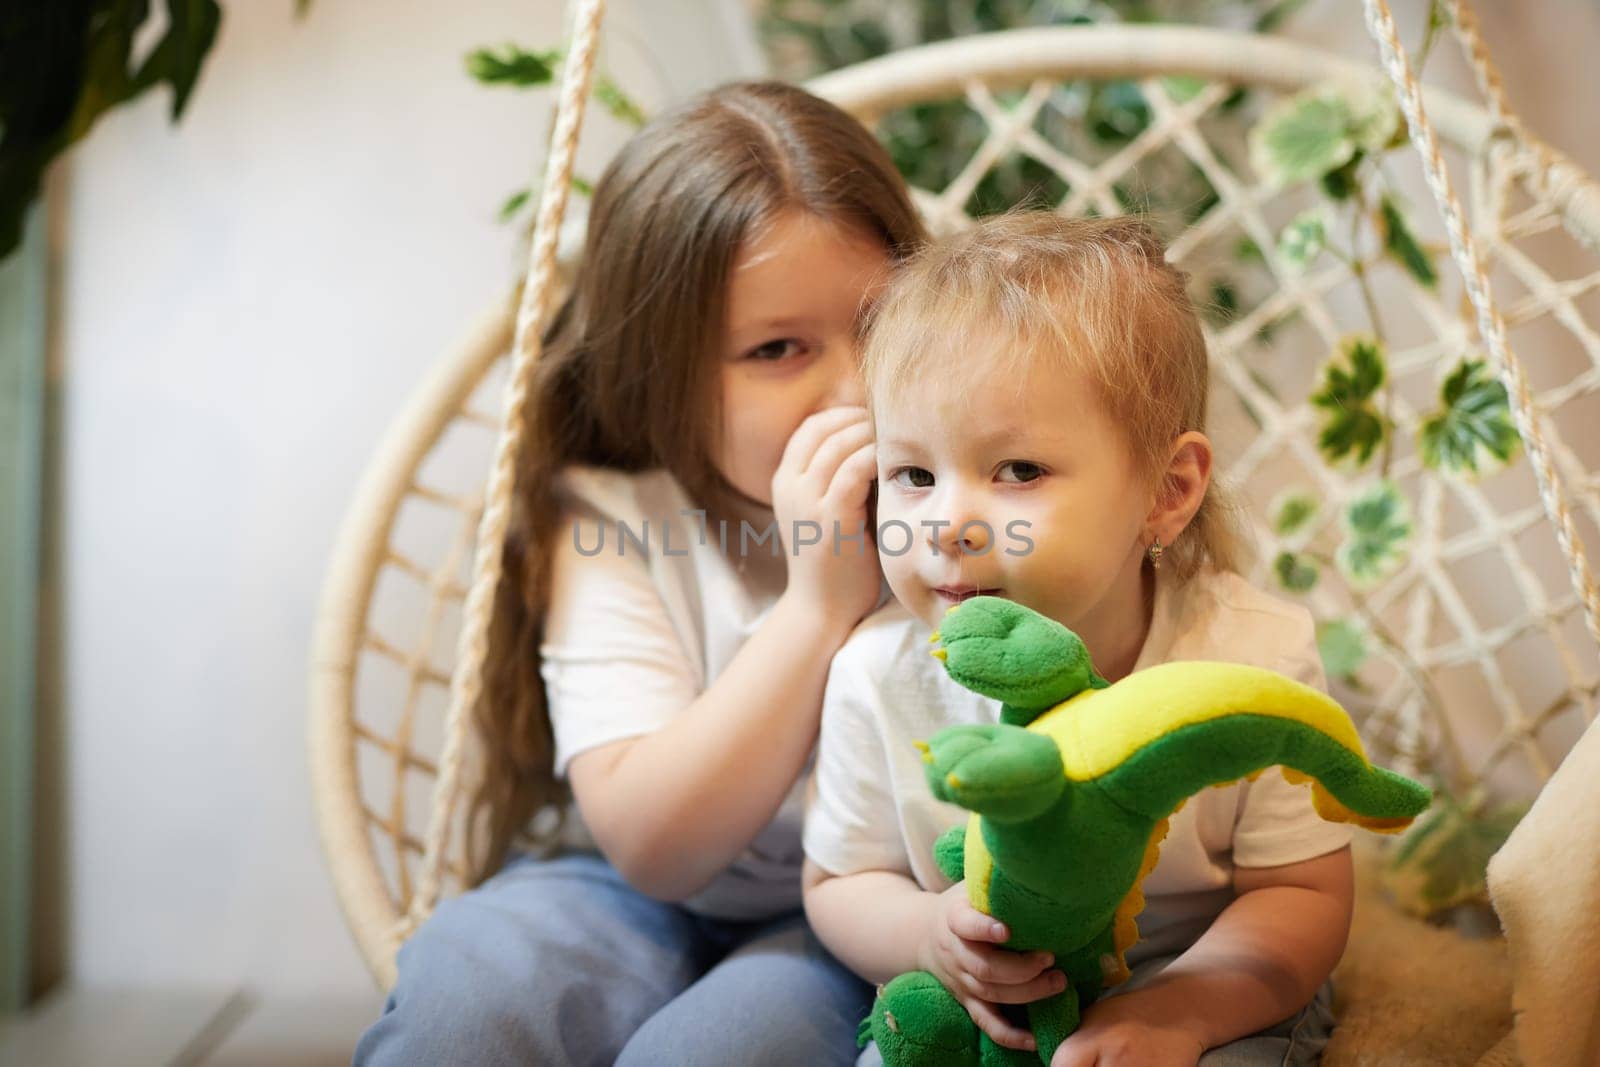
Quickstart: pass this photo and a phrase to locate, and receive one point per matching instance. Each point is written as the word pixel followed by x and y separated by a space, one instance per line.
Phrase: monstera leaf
pixel 64 65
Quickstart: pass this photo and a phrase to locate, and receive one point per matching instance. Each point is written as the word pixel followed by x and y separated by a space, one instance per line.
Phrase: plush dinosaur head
pixel 1003 650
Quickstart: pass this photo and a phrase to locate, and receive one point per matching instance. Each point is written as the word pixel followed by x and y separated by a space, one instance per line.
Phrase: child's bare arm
pixel 1261 961
pixel 881 924
pixel 873 921
pixel 673 808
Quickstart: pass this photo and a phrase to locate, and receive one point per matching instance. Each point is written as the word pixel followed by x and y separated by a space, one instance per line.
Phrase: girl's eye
pixel 773 351
pixel 912 478
pixel 1020 471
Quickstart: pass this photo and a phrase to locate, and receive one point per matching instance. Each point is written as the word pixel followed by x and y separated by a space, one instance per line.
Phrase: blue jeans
pixel 1297 1041
pixel 560 961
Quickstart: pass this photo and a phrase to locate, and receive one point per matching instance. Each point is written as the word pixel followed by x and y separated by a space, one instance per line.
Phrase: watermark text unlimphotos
pixel 894 537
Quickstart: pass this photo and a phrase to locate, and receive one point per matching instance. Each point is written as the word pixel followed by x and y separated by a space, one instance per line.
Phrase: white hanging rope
pixel 467 682
pixel 1553 178
pixel 1380 22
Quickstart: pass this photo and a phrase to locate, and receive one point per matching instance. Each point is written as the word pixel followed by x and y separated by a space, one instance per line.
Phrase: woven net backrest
pixel 1464 655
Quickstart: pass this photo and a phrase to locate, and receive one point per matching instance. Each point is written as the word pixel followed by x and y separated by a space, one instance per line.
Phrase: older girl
pixel 700 385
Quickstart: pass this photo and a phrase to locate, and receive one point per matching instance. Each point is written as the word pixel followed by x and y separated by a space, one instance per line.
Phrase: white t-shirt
pixel 873 811
pixel 634 634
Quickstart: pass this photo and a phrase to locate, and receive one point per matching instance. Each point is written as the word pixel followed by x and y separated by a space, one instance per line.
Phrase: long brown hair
pixel 627 379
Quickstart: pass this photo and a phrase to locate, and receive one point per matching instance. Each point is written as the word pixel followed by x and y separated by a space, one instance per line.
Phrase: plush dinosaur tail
pixel 917 1023
pixel 1159 736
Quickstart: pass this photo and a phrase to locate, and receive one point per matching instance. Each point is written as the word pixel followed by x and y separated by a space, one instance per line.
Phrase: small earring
pixel 1154 552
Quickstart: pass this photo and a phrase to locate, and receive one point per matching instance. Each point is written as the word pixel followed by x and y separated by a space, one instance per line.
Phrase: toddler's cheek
pixel 901 574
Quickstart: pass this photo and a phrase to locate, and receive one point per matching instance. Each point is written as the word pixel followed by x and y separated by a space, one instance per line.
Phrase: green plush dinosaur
pixel 1071 793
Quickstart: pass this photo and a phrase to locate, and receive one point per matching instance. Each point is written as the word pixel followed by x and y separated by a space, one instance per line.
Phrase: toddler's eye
pixel 1020 471
pixel 912 478
pixel 773 351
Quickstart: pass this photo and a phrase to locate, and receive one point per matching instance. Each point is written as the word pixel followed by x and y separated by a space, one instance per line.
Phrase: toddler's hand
pixel 1116 1033
pixel 824 478
pixel 961 950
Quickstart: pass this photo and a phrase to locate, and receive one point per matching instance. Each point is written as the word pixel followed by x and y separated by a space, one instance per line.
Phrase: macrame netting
pixel 1500 672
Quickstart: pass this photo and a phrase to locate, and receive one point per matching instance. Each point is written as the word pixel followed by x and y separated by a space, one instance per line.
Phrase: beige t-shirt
pixel 873 811
pixel 641 621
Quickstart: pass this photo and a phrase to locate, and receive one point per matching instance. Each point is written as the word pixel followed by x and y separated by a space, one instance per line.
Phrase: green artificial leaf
pixel 1342 184
pixel 621 106
pixel 1401 246
pixel 519 199
pixel 1293 512
pixel 1443 861
pixel 1295 573
pixel 1224 306
pixel 1303 240
pixel 1301 138
pixel 1234 100
pixel 514 204
pixel 1472 430
pixel 1116 112
pixel 1183 87
pixel 1353 427
pixel 1374 116
pixel 1323 132
pixel 1246 250
pixel 1269 328
pixel 1377 524
pixel 515 66
pixel 1343 648
pixel 1276 14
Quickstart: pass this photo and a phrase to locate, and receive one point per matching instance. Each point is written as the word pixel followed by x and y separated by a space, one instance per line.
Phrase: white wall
pixel 245 300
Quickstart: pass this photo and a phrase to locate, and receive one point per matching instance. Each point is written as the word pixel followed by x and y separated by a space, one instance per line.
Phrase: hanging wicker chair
pixel 1483 604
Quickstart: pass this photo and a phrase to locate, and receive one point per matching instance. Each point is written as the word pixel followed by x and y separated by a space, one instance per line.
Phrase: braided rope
pixel 1464 24
pixel 1553 177
pixel 1380 23
pixel 467 683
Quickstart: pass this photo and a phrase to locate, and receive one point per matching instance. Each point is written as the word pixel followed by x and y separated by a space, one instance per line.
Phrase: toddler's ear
pixel 1183 486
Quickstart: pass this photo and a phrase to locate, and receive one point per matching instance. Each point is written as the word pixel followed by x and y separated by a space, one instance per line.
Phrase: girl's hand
pixel 961 951
pixel 1115 1033
pixel 824 478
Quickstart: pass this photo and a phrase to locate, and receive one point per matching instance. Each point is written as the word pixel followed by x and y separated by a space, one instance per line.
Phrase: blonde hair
pixel 1094 295
pixel 628 378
